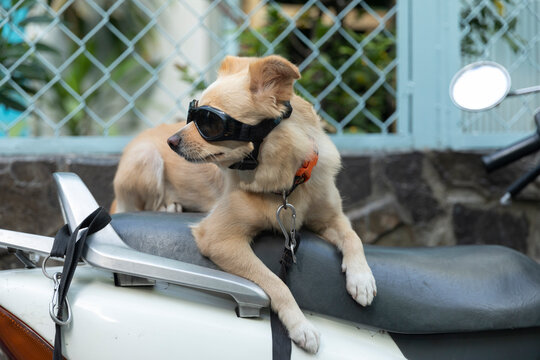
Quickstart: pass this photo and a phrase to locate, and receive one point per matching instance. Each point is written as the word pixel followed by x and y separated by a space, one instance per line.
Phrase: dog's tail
pixel 112 210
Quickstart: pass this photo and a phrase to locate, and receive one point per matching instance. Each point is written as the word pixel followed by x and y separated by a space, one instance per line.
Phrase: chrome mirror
pixel 480 86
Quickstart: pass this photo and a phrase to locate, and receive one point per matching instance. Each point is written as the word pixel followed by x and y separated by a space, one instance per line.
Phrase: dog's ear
pixel 234 64
pixel 272 76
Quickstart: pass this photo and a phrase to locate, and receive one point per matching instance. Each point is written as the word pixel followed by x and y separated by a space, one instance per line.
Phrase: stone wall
pixel 398 199
pixel 439 198
pixel 28 197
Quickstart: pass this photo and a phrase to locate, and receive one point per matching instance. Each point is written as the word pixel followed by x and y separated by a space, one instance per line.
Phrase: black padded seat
pixel 420 290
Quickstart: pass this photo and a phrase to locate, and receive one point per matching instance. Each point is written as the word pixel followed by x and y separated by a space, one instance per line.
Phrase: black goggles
pixel 215 125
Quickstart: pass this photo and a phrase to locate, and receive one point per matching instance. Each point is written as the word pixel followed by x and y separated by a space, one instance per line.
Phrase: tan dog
pixel 250 90
pixel 152 177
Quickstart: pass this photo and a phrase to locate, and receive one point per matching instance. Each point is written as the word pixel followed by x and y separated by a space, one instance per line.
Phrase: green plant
pixel 30 74
pixel 336 51
pixel 488 21
pixel 187 76
pixel 105 47
pixel 380 51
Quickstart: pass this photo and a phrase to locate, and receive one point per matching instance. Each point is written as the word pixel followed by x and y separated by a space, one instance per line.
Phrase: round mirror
pixel 480 86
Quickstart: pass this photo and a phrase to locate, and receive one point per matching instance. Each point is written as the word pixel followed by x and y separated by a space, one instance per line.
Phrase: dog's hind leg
pixel 139 180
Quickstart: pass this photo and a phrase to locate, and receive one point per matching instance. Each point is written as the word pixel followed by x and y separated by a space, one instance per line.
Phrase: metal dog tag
pixel 290 239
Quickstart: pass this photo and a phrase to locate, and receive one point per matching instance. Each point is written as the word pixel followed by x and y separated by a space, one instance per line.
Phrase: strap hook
pixel 53 306
pixel 290 238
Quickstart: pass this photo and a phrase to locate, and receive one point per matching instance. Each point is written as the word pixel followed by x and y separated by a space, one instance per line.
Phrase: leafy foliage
pixel 488 21
pixel 82 75
pixel 26 75
pixel 358 77
pixel 336 51
pixel 187 76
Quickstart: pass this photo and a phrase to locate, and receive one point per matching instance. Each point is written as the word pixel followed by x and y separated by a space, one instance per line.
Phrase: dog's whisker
pixel 207 154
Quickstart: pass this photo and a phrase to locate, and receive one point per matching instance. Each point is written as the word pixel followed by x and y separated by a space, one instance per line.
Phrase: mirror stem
pixel 523 91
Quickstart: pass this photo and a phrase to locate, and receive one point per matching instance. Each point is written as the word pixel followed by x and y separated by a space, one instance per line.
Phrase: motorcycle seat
pixel 420 290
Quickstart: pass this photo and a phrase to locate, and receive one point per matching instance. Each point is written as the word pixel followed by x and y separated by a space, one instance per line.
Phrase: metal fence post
pixel 432 58
pixel 405 83
pixel 451 62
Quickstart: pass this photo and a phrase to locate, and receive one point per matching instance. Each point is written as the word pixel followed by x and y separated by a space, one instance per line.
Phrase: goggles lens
pixel 210 125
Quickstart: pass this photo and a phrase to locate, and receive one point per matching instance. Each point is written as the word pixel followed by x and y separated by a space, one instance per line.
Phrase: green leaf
pixel 27 3
pixel 13 52
pixel 23 84
pixel 31 71
pixel 39 19
pixel 18 129
pixel 46 48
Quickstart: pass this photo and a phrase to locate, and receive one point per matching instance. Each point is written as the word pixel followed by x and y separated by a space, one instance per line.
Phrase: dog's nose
pixel 174 141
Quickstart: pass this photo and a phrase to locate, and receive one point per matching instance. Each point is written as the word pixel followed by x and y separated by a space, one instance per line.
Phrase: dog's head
pixel 249 90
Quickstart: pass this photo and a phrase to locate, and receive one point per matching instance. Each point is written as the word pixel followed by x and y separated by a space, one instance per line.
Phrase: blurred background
pixel 79 78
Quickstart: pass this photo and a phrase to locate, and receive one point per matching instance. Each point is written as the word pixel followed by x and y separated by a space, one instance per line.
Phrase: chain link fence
pixel 115 67
pixel 111 67
pixel 507 32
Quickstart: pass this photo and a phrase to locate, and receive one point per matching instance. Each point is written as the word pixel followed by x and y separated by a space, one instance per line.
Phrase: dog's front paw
pixel 306 336
pixel 361 284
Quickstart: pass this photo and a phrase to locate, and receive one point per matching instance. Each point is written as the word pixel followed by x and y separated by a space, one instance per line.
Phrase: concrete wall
pixel 399 199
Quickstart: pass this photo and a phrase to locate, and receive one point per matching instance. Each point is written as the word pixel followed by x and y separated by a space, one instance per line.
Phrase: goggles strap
pixel 250 162
pixel 258 133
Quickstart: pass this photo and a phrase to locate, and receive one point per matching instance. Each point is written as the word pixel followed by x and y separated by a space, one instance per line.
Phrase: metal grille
pixel 109 67
pixel 508 32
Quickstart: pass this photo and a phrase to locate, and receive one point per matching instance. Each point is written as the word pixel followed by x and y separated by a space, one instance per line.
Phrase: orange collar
pixel 303 173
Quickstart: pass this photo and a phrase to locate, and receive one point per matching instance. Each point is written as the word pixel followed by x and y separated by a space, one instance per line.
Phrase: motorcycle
pixel 142 290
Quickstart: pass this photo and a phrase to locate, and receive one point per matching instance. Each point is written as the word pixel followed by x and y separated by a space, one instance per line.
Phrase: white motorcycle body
pixel 168 322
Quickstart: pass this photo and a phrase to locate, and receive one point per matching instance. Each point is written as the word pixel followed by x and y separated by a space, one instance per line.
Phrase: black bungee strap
pixel 281 342
pixel 67 246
